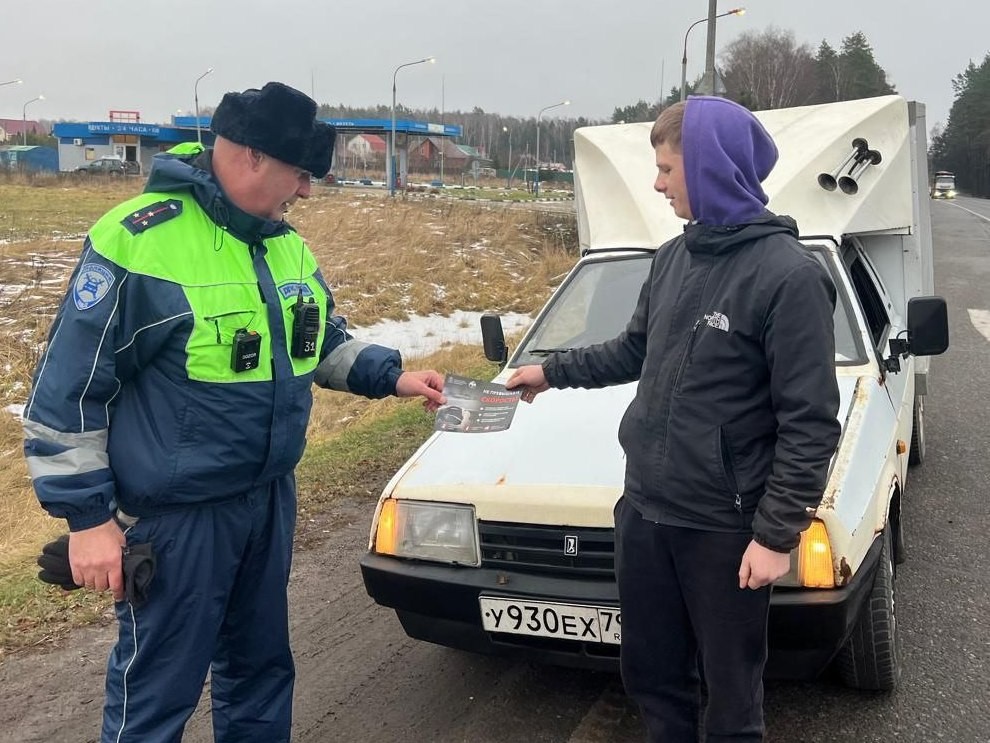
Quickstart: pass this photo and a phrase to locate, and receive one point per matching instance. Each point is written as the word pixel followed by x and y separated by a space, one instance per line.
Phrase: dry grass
pixel 391 258
pixel 384 259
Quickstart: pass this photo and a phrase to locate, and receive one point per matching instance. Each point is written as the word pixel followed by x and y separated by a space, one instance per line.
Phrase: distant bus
pixel 944 185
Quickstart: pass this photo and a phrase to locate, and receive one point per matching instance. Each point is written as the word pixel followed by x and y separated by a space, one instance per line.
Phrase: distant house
pixel 11 129
pixel 31 158
pixel 457 158
pixel 367 148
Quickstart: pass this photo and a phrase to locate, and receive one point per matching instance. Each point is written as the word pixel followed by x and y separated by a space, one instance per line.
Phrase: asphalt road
pixel 417 692
pixel 361 679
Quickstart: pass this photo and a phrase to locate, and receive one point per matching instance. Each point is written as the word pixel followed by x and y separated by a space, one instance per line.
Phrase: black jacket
pixel 734 422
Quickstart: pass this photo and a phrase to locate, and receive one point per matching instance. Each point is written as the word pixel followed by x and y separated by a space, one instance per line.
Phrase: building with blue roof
pixel 130 139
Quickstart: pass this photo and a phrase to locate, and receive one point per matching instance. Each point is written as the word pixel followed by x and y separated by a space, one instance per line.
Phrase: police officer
pixel 170 410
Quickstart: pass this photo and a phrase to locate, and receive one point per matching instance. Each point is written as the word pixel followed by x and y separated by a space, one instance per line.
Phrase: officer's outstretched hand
pixel 531 379
pixel 761 566
pixel 427 384
pixel 95 558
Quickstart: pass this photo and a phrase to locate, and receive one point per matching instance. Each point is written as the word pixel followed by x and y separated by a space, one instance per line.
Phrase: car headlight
pixel 442 532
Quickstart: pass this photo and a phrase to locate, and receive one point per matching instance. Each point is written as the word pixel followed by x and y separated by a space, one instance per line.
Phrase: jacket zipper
pixel 730 474
pixel 676 383
pixel 687 354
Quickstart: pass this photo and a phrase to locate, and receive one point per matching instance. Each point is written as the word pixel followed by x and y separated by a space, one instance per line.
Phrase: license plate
pixel 546 619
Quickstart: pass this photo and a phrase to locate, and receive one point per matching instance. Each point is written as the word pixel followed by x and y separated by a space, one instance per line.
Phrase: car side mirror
pixel 927 332
pixel 928 326
pixel 493 338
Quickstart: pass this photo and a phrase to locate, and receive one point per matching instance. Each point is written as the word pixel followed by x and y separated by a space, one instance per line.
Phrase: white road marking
pixel 975 214
pixel 981 321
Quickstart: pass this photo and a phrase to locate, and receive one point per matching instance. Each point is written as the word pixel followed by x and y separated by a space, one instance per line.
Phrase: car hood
pixel 559 463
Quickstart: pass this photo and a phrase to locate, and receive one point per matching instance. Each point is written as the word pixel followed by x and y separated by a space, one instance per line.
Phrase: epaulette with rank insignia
pixel 151 215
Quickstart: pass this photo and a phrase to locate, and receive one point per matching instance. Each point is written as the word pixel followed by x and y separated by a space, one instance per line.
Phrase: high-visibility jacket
pixel 136 403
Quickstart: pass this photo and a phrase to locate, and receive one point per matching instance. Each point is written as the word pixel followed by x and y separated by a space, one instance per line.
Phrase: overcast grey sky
pixel 512 56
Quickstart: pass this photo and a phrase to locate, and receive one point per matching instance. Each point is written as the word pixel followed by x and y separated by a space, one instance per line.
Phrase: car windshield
pixel 594 306
pixel 943 182
pixel 598 299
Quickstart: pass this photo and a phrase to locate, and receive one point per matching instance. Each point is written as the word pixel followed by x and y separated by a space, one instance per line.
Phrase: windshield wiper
pixel 547 351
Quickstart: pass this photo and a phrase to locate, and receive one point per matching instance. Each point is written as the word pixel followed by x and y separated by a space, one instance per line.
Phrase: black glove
pixel 139 569
pixel 54 563
pixel 138 566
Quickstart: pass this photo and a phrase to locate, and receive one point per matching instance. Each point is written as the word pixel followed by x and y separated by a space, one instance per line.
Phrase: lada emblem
pixel 570 545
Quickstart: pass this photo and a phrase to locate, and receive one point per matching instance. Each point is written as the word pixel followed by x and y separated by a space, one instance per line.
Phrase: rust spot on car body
pixel 844 574
pixel 851 427
pixel 500 481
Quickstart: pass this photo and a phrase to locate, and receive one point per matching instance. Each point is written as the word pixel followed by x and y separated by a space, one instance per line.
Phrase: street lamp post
pixel 539 117
pixel 508 178
pixel 12 82
pixel 199 133
pixel 734 11
pixel 24 117
pixel 391 142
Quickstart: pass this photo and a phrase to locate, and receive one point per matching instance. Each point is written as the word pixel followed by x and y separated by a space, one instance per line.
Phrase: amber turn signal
pixel 815 557
pixel 385 535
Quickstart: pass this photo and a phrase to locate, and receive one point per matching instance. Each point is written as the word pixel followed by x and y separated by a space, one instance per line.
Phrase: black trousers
pixel 681 606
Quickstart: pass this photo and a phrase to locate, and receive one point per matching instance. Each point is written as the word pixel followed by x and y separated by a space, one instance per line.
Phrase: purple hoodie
pixel 727 154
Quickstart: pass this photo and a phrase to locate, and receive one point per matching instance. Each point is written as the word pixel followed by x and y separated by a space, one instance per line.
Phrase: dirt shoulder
pixel 56 694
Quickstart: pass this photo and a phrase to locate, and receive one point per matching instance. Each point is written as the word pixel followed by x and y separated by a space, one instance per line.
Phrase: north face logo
pixel 718 320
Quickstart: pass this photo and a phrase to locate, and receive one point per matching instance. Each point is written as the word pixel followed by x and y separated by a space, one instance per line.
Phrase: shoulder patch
pixel 151 215
pixel 92 285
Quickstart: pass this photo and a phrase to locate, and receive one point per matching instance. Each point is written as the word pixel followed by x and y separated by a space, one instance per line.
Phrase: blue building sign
pixel 115 127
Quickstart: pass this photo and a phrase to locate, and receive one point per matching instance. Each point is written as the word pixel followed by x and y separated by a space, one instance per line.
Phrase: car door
pixel 884 323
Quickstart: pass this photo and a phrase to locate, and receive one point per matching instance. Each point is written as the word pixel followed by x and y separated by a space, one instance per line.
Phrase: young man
pixel 170 410
pixel 729 437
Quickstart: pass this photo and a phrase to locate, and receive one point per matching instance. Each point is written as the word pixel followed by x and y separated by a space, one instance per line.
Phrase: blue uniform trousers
pixel 217 603
pixel 681 604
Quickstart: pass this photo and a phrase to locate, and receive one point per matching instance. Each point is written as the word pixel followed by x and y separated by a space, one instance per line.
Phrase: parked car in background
pixel 112 166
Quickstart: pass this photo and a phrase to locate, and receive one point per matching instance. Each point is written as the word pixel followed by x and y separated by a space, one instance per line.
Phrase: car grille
pixel 540 549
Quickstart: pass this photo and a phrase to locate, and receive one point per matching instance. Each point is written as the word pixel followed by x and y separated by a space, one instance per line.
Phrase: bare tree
pixel 769 70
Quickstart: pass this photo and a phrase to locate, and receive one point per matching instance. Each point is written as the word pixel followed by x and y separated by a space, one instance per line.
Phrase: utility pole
pixel 443 138
pixel 710 48
pixel 663 95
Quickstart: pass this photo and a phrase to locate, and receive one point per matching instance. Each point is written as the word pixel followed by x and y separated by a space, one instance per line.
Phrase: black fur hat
pixel 281 122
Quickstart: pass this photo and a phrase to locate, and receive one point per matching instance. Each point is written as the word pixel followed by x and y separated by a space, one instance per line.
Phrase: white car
pixel 503 542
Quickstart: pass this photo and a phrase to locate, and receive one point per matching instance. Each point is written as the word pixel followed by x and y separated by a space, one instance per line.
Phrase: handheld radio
pixel 305 327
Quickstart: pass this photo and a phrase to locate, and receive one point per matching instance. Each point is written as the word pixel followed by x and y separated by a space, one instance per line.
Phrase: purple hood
pixel 727 154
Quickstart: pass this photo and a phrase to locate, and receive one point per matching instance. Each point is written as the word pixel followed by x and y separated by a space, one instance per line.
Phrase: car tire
pixel 871 657
pixel 918 441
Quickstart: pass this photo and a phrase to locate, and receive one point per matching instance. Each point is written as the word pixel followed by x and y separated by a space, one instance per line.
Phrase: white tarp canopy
pixel 615 169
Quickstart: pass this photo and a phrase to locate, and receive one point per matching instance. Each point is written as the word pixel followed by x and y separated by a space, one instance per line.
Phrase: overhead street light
pixel 24 116
pixel 734 11
pixel 13 82
pixel 199 134
pixel 539 117
pixel 391 142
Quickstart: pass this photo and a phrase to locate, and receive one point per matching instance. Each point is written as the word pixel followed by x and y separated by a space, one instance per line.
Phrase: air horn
pixel 858 161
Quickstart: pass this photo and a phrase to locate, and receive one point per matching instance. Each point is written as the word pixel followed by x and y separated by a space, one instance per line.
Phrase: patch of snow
pixel 12 290
pixel 421 336
pixel 15 410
